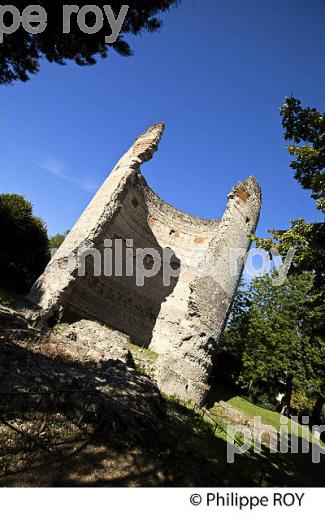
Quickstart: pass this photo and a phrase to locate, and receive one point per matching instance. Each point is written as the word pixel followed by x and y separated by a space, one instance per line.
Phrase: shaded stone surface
pixel 92 341
pixel 34 362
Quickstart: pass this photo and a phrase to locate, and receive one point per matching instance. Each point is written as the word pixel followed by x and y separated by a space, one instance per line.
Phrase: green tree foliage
pixel 24 243
pixel 276 347
pixel 56 240
pixel 21 52
pixel 229 364
pixel 306 128
pixel 265 334
pixel 308 241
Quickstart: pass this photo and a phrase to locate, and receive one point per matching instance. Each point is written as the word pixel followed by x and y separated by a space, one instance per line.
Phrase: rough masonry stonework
pixel 182 320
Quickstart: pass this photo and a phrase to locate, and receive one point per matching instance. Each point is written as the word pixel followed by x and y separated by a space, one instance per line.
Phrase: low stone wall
pixel 230 415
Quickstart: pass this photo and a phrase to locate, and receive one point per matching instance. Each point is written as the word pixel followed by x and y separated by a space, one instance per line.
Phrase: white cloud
pixel 57 168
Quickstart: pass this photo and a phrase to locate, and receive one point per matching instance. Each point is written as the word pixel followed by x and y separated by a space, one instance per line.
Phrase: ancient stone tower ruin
pixel 180 318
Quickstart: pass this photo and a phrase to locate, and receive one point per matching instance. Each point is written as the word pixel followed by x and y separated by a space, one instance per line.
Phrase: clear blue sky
pixel 216 75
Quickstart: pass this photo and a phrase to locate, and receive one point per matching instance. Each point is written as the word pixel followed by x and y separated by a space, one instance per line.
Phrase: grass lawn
pixel 143 351
pixel 221 392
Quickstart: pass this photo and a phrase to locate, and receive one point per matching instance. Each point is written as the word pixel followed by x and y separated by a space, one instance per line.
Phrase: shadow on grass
pixel 127 435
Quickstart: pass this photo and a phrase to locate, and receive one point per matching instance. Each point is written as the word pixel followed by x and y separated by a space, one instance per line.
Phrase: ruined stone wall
pixel 181 321
pixel 185 367
pixel 53 289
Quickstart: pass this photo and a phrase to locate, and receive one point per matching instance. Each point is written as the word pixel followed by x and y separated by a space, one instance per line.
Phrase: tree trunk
pixel 286 399
pixel 317 410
